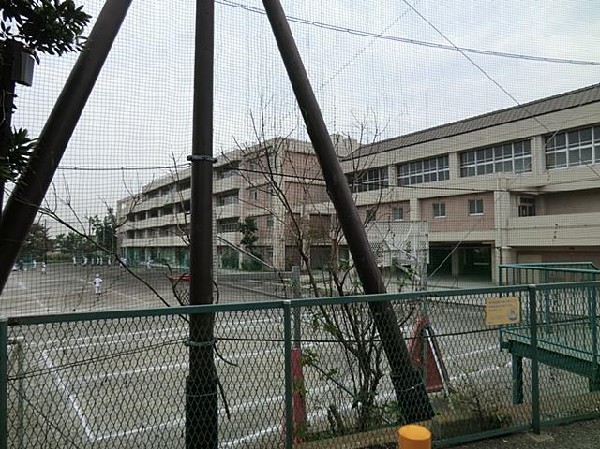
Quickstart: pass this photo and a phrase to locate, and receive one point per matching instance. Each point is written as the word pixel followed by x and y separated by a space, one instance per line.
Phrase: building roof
pixel 535 108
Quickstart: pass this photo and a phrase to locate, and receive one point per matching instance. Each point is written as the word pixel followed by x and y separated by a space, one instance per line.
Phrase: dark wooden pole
pixel 201 387
pixel 412 397
pixel 22 206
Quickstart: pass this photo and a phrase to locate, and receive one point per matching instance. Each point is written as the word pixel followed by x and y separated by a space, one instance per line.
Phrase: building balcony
pixel 229 211
pixel 170 241
pixel 554 230
pixel 234 237
pixel 227 184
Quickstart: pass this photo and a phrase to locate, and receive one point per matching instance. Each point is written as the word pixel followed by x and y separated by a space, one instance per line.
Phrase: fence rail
pixel 301 372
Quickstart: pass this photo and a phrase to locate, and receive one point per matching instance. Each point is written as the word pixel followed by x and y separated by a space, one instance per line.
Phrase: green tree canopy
pixel 43 26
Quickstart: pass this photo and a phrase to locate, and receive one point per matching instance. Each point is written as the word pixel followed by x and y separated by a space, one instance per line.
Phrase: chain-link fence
pixel 305 371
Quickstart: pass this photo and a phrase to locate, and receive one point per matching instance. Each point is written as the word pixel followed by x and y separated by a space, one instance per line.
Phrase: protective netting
pixel 121 196
pixel 469 137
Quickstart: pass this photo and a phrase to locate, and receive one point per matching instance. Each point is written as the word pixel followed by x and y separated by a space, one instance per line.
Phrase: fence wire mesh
pixel 459 162
pixel 119 379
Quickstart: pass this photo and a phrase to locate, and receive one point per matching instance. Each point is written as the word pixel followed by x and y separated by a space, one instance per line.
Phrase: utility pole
pixel 24 202
pixel 201 431
pixel 411 394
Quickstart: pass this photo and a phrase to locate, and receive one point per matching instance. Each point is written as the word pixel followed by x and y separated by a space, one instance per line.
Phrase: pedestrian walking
pixel 43 267
pixel 34 264
pixel 74 261
pixel 97 284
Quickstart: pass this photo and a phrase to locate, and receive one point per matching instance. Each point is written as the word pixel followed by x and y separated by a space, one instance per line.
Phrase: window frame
pixel 501 158
pixel 439 210
pixel 401 214
pixel 431 169
pixel 476 207
pixel 572 147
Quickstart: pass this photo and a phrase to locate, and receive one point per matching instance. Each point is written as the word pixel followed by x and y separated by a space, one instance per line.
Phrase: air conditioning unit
pixel 22 70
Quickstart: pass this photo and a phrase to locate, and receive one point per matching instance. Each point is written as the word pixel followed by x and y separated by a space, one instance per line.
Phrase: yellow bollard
pixel 414 437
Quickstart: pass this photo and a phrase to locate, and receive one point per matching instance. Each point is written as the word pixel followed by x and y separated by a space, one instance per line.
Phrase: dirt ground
pixel 579 435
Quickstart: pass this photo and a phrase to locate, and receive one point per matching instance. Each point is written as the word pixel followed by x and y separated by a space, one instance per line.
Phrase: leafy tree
pixel 249 229
pixel 104 231
pixel 50 27
pixel 71 243
pixel 43 26
pixel 38 243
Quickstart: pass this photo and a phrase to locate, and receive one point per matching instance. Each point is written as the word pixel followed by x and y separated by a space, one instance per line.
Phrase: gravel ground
pixel 579 435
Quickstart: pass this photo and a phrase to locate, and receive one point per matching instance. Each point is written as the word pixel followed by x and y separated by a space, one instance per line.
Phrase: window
pixel 439 210
pixel 425 170
pixel 573 148
pixel 512 157
pixel 366 180
pixel 526 207
pixel 270 221
pixel 228 199
pixel 228 225
pixel 371 215
pixel 253 194
pixel 397 213
pixel 476 207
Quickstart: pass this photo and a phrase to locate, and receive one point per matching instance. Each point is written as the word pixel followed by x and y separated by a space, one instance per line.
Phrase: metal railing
pixel 295 372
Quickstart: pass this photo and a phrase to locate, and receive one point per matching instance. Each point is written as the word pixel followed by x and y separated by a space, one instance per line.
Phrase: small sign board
pixel 504 310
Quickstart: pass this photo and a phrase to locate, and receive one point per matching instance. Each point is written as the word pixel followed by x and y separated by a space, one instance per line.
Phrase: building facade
pixel 511 186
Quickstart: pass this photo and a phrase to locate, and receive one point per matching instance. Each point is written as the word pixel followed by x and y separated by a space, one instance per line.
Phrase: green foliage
pixel 73 243
pixel 52 27
pixel 248 229
pixel 104 231
pixel 37 244
pixel 230 260
pixel 20 147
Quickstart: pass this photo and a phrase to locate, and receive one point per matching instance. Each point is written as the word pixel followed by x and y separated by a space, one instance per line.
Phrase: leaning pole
pixel 24 202
pixel 411 394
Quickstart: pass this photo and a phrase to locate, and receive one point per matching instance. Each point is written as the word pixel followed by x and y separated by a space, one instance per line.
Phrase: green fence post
pixel 535 378
pixel 595 382
pixel 287 341
pixel 3 383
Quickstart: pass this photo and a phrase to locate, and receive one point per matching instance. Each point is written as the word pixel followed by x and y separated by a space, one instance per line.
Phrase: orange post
pixel 414 437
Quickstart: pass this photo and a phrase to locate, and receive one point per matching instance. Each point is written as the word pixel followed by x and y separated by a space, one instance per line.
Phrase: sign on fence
pixel 505 310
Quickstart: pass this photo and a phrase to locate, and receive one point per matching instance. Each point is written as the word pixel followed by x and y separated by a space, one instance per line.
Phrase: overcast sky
pixel 366 73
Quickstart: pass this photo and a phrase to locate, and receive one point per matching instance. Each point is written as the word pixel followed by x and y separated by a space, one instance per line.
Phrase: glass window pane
pixel 557 141
pixel 585 136
pixel 573 138
pixel 507 166
pixel 574 157
pixel 561 159
pixel 596 133
pixel 518 146
pixel 550 160
pixel 586 154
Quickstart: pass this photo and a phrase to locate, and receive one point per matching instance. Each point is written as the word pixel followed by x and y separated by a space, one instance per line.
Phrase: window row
pixel 425 170
pixel 371 179
pixel 475 208
pixel 512 157
pixel 573 148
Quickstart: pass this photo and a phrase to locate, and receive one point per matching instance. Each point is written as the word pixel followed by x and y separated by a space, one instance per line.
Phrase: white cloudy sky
pixel 141 113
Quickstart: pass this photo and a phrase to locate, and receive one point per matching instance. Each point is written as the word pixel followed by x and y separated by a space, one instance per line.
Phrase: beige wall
pixel 570 202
